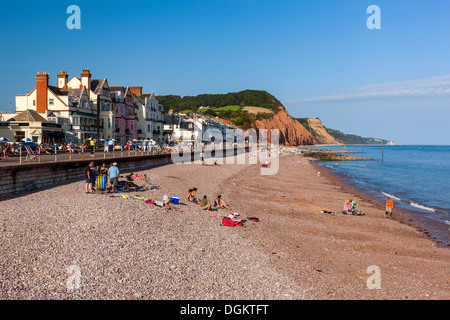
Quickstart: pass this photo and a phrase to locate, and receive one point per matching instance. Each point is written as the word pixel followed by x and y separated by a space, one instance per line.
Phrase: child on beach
pixel 389 207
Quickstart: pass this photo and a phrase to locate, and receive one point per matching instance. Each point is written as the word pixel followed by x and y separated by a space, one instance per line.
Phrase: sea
pixel 416 177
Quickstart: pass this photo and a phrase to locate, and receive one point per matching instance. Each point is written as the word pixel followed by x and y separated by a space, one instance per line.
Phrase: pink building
pixel 124 114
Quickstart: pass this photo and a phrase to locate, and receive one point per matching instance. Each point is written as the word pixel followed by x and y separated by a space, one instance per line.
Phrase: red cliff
pixel 292 133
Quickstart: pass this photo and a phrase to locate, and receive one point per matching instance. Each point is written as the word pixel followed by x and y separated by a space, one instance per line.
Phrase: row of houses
pixel 192 127
pixel 82 108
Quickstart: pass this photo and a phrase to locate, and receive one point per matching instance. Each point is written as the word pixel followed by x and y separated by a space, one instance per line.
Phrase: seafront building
pixel 150 115
pixel 192 127
pixel 83 108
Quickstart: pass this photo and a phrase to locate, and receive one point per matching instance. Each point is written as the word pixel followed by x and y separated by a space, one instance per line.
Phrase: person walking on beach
pixel 389 207
pixel 114 174
pixel 110 145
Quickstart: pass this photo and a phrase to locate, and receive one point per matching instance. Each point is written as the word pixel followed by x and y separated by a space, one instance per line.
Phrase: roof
pixel 97 85
pixel 171 119
pixel 28 115
pixel 147 95
pixel 116 88
pixel 57 91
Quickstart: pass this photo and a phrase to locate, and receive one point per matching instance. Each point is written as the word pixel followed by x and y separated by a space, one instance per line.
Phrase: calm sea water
pixel 415 177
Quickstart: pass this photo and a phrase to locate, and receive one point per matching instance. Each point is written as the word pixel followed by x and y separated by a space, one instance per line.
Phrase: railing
pixel 65 153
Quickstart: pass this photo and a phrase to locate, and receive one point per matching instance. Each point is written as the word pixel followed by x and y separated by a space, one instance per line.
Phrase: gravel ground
pixel 126 249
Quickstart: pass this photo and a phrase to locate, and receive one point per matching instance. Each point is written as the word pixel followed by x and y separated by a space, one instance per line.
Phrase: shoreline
pixel 430 229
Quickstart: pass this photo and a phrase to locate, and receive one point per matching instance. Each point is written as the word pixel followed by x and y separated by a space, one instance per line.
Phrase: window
pixel 109 123
pixel 34 102
pixel 148 128
pixel 20 135
pixel 51 102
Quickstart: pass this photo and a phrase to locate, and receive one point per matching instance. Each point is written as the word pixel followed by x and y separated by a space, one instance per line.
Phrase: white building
pixel 69 106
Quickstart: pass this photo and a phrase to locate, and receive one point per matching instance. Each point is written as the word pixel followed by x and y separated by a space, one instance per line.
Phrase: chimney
pixel 136 90
pixel 41 92
pixel 86 81
pixel 62 79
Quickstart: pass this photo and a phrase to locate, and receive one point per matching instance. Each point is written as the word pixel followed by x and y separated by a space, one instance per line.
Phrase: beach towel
pixel 227 222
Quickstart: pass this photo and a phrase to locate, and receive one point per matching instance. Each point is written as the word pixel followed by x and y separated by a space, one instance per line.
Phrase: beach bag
pixel 227 222
pixel 101 183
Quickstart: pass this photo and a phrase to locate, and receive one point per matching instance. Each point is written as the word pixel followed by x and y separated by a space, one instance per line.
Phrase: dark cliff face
pixel 292 133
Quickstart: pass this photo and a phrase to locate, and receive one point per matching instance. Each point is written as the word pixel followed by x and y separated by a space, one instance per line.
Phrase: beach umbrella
pixel 4 139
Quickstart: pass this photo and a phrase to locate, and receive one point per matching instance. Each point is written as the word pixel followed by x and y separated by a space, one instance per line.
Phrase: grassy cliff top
pixel 254 98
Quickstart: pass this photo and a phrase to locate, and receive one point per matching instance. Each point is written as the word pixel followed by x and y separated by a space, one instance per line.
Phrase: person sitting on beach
pixel 347 205
pixel 167 205
pixel 190 197
pixel 219 203
pixel 204 204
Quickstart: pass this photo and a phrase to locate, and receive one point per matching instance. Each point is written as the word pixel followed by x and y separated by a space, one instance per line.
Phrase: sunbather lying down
pixel 134 176
pixel 167 205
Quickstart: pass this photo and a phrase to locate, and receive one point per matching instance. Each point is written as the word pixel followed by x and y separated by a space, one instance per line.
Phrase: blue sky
pixel 317 57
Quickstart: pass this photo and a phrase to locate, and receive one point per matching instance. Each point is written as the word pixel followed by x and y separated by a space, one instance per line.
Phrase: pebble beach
pixel 127 249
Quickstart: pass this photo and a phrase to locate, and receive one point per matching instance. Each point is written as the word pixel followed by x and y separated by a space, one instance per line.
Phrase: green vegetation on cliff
pixel 255 98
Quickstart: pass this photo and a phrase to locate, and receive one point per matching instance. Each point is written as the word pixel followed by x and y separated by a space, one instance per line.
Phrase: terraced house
pixel 124 114
pixel 89 108
pixel 150 115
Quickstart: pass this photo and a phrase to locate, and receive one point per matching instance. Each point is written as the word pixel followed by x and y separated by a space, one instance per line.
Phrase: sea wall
pixel 13 179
